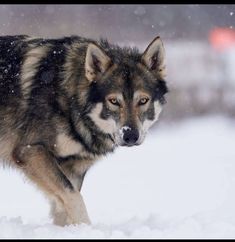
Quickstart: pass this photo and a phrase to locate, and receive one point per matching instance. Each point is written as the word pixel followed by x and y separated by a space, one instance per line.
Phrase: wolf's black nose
pixel 130 136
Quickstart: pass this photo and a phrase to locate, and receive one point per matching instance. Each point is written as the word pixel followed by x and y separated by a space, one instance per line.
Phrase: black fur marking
pixel 126 70
pixel 11 57
pixel 81 179
pixel 120 54
pixel 57 42
pixel 71 158
pixel 76 115
pixel 98 137
pixel 45 87
pixel 75 134
pixel 66 181
pixel 96 93
pixel 96 63
pixel 150 114
pixel 57 109
pixel 160 90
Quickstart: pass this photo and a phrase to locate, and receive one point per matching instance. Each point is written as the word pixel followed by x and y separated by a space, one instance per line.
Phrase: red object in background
pixel 222 38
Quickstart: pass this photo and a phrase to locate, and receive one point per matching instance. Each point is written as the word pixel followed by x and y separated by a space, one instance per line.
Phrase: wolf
pixel 66 102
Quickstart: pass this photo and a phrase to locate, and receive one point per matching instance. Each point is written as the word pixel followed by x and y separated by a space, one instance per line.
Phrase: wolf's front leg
pixel 73 212
pixel 40 166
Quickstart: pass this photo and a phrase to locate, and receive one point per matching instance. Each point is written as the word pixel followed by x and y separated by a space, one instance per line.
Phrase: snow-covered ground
pixel 179 184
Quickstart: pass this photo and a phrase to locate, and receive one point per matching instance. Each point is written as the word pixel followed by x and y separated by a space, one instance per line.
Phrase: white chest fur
pixel 67 146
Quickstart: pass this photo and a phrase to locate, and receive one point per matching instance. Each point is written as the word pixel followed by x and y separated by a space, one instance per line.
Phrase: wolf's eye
pixel 143 101
pixel 114 101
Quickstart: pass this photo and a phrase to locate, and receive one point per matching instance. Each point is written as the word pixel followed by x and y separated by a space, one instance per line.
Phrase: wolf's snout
pixel 130 137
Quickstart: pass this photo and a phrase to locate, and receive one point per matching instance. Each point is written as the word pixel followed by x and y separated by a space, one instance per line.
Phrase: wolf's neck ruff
pixel 84 130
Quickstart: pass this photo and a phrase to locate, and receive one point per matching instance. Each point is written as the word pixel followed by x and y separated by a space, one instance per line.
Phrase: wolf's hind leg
pixel 40 166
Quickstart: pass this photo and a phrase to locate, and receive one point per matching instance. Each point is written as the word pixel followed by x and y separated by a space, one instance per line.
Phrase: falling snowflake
pixel 140 11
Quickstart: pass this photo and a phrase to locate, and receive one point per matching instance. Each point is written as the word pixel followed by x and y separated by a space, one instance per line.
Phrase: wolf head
pixel 127 89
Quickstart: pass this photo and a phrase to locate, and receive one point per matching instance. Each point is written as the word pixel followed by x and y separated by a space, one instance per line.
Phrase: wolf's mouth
pixel 130 145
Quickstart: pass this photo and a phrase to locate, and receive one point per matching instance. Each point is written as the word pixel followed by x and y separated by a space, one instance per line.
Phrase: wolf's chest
pixel 67 146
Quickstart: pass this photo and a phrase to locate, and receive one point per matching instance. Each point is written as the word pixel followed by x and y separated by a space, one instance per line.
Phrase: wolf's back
pixel 12 50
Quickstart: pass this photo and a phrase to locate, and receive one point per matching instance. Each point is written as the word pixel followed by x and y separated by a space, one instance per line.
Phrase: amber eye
pixel 143 101
pixel 114 101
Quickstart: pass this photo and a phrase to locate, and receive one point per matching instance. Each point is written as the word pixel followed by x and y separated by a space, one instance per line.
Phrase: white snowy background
pixel 180 183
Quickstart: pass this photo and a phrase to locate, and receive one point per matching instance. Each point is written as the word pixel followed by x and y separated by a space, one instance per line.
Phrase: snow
pixel 179 183
pixel 124 128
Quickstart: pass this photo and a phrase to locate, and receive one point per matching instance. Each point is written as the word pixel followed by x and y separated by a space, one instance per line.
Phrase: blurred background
pixel 199 42
pixel 185 168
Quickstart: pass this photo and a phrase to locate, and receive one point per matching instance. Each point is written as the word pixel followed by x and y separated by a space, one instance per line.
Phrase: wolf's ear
pixel 154 56
pixel 96 62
